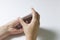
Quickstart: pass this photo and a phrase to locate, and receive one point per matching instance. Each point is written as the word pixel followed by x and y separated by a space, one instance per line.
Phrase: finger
pixel 33 15
pixel 18 31
pixel 15 31
pixel 13 23
pixel 11 29
pixel 22 22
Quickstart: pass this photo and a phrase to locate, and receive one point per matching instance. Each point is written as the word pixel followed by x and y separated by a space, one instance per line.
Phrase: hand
pixel 8 29
pixel 11 27
pixel 31 29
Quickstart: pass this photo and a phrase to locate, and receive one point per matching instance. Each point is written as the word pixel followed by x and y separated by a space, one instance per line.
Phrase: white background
pixel 48 9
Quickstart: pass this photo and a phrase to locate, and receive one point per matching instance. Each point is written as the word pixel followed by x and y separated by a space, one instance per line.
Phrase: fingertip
pixel 33 10
pixel 19 18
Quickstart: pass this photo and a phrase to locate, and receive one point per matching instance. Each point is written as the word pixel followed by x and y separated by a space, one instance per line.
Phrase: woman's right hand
pixel 31 29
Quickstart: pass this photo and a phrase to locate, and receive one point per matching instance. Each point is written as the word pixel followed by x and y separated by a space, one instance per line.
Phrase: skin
pixel 8 29
pixel 30 30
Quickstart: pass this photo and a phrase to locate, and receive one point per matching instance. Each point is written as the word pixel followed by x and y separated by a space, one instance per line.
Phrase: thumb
pixel 22 22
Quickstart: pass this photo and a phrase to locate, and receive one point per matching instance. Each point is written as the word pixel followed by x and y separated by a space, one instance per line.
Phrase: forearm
pixel 3 32
pixel 3 36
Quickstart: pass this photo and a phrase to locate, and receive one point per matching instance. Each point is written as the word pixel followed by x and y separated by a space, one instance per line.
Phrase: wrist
pixel 31 37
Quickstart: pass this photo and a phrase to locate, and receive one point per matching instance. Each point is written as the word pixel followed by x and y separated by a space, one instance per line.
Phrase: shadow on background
pixel 44 34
